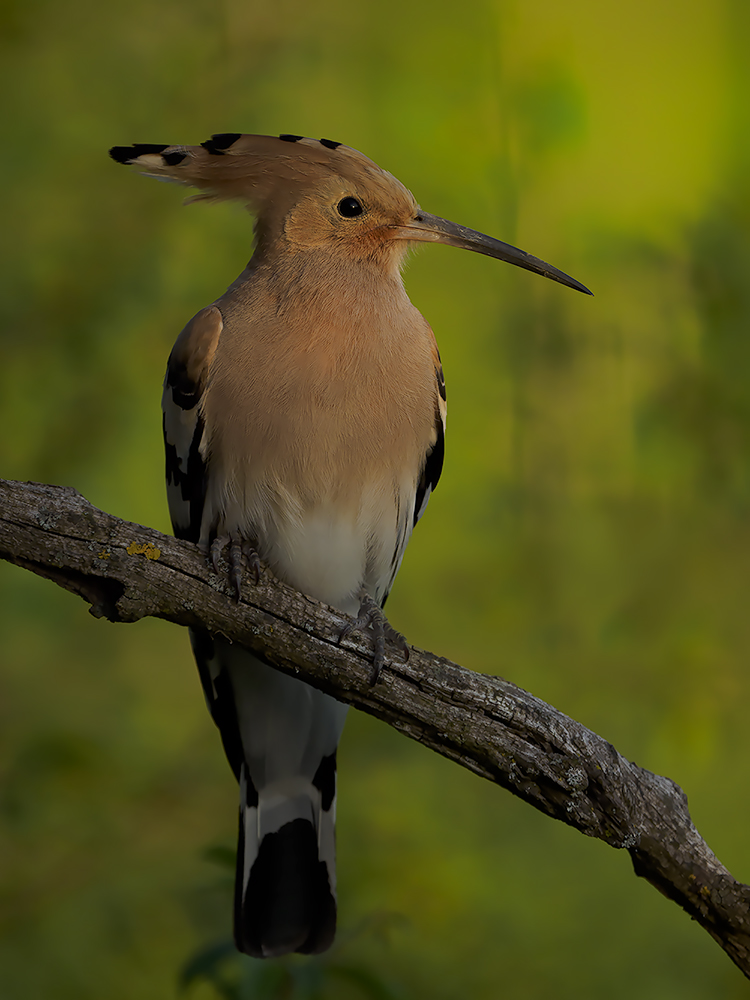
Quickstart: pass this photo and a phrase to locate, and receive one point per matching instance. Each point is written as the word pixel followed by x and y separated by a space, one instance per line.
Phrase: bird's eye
pixel 350 207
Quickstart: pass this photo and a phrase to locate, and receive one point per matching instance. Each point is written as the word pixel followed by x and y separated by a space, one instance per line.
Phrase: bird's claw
pixel 371 618
pixel 241 552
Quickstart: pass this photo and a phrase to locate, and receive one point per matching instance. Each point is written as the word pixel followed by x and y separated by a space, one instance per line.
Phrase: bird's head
pixel 318 195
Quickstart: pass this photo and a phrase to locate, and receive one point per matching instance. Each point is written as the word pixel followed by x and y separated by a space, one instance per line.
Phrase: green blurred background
pixel 589 539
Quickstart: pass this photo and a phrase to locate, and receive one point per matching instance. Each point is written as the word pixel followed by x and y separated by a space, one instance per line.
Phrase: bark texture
pixel 126 572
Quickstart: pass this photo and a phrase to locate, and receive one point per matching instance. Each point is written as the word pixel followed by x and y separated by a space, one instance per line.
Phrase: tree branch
pixel 497 730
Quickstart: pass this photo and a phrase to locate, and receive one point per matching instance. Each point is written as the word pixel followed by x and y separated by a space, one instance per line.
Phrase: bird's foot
pixel 371 618
pixel 240 553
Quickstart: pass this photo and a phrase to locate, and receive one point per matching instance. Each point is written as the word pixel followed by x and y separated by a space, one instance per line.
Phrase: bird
pixel 304 418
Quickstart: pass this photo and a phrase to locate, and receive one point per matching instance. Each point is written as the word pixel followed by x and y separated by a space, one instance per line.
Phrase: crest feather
pixel 231 165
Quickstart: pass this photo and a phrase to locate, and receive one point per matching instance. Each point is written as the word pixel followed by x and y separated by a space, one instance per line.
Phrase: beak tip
pixel 565 279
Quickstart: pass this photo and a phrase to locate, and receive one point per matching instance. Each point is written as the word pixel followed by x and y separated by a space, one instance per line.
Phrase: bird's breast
pixel 316 439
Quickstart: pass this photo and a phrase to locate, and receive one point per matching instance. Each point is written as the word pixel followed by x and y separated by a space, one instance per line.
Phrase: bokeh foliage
pixel 590 538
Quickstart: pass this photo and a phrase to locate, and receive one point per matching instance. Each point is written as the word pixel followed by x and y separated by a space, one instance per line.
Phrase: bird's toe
pixel 240 553
pixel 371 619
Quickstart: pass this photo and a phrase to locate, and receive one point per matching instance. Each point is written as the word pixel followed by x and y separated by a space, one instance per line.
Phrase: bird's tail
pixel 285 889
pixel 280 737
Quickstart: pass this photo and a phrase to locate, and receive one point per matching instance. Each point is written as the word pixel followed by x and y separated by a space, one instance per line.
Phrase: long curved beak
pixel 426 228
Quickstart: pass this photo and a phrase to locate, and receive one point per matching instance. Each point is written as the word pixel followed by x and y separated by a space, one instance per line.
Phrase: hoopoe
pixel 304 413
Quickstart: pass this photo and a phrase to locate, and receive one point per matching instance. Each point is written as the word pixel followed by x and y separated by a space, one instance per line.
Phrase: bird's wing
pixel 187 477
pixel 433 463
pixel 184 429
pixel 429 475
